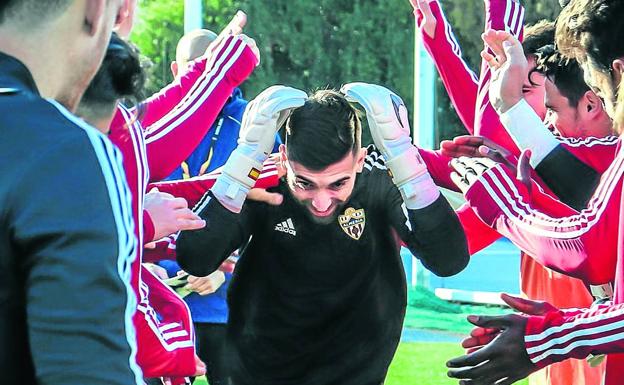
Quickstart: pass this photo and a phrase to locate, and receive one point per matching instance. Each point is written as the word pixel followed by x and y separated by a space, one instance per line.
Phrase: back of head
pixel 193 45
pixel 120 77
pixel 323 131
pixel 538 35
pixel 33 12
pixel 566 74
pixel 592 31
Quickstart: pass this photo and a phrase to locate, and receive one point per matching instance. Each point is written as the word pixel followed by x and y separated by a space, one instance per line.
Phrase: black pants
pixel 210 342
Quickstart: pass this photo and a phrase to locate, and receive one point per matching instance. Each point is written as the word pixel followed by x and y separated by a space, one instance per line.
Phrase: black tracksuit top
pixel 321 304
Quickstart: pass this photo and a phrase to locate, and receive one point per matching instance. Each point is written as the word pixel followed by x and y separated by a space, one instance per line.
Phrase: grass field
pixel 418 364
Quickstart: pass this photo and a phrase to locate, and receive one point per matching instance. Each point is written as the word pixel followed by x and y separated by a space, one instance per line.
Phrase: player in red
pixel 167 349
pixel 585 244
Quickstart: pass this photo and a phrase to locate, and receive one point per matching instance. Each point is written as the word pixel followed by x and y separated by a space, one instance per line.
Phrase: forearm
pixel 578 244
pixel 459 80
pixel 507 15
pixel 478 234
pixel 558 336
pixel 171 139
pixel 568 178
pixel 437 238
pixel 224 233
pixel 193 189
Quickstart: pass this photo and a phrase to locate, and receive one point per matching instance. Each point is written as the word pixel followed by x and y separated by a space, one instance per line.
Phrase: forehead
pixel 552 96
pixel 334 172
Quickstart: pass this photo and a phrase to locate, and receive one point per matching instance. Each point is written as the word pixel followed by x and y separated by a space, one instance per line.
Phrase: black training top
pixel 65 244
pixel 321 304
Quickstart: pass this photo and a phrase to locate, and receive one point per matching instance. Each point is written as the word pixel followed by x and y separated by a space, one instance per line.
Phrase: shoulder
pixel 374 164
pixel 44 138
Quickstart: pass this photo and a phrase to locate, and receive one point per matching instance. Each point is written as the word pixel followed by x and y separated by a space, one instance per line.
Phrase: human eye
pixel 338 185
pixel 303 185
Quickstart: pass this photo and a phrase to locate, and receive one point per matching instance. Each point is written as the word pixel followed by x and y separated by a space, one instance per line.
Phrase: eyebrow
pixel 312 183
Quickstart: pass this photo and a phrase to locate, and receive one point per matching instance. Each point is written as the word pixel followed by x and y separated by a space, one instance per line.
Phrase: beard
pixel 338 206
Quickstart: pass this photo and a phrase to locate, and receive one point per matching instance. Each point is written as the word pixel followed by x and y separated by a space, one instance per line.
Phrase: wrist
pixel 238 176
pixel 410 175
pixel 507 102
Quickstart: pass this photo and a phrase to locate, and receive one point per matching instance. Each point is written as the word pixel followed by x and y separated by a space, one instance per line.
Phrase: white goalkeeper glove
pixel 389 126
pixel 262 119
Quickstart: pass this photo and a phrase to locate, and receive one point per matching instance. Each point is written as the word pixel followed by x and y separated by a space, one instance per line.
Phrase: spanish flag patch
pixel 254 174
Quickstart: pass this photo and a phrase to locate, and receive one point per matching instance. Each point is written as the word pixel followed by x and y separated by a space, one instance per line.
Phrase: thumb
pixel 526 306
pixel 524 168
pixel 497 322
pixel 154 190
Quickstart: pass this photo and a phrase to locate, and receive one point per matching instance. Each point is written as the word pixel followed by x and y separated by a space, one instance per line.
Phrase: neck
pixel 47 63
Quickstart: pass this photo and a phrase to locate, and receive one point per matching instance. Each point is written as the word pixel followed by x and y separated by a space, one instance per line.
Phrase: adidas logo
pixel 286 227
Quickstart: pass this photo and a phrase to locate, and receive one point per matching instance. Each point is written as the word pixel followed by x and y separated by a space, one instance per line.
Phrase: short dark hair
pixel 121 76
pixel 323 131
pixel 566 74
pixel 538 35
pixel 26 10
pixel 592 29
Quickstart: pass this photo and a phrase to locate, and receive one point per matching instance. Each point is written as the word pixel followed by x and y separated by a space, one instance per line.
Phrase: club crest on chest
pixel 352 222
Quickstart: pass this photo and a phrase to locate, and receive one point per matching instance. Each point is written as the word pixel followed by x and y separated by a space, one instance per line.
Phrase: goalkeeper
pixel 319 294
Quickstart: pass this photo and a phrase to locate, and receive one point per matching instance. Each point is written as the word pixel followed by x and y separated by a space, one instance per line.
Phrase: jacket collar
pixel 14 76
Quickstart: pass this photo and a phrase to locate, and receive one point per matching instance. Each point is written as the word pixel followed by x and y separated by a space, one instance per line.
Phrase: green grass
pixel 426 311
pixel 418 363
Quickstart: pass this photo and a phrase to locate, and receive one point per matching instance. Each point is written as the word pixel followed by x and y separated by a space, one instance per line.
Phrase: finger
pixel 456 150
pixel 479 331
pixel 150 245
pixel 459 181
pixel 499 322
pixel 490 60
pixel 153 190
pixel 527 306
pixel 474 372
pixel 473 169
pixel 494 41
pixel 459 165
pixel 512 47
pixel 186 214
pixel 468 360
pixel 510 380
pixel 190 224
pixel 473 140
pixel 472 342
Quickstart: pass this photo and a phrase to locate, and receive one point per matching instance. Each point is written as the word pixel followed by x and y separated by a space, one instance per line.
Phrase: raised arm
pixel 229 220
pixel 422 217
pixel 171 139
pixel 501 15
pixel 438 39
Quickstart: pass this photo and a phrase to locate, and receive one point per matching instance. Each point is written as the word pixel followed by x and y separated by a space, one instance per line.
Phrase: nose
pixel 321 201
